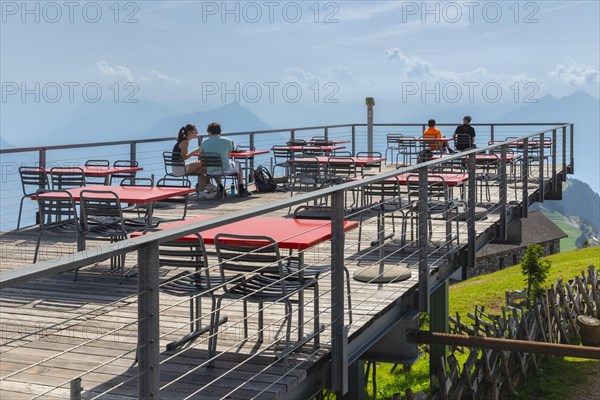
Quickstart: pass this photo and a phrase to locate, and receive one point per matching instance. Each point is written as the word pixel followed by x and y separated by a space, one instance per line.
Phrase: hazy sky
pixel 277 58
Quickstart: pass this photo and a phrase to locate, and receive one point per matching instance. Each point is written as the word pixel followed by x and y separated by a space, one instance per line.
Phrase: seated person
pixel 463 131
pixel 432 134
pixel 223 146
pixel 181 148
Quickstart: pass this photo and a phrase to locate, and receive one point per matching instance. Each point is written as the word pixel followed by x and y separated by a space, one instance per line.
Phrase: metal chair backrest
pixel 392 139
pixel 185 254
pixel 312 150
pixel 250 255
pixel 121 175
pixel 312 212
pixel 456 166
pixel 172 162
pixel 32 179
pixel 342 168
pixel 97 163
pixel 214 162
pixel 281 156
pixel 57 208
pixel 462 141
pixel 306 169
pixel 100 209
pixel 146 182
pixel 320 141
pixel 387 190
pixel 437 190
pixel 67 177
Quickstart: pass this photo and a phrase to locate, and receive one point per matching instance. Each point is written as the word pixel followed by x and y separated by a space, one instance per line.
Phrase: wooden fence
pixel 490 374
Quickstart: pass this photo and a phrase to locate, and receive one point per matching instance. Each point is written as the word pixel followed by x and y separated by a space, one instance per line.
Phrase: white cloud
pixel 157 76
pixel 114 72
pixel 415 67
pixel 575 74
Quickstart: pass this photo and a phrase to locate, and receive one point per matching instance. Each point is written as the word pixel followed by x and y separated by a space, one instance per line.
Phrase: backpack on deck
pixel 263 180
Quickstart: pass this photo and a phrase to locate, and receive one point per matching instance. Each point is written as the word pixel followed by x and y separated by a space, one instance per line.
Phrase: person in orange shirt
pixel 432 134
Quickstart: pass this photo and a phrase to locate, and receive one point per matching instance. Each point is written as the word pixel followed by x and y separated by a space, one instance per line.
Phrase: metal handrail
pixel 70 261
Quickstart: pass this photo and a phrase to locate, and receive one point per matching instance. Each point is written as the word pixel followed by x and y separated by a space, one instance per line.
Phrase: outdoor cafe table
pixel 333 142
pixel 246 157
pixel 289 233
pixel 134 194
pixel 95 170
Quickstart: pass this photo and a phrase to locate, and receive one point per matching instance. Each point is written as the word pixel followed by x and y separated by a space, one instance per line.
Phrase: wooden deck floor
pixel 55 329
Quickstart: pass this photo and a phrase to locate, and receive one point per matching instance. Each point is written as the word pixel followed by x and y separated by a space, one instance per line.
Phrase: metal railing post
pixel 75 389
pixel 292 135
pixel 564 153
pixel 541 169
pixel 148 322
pixel 572 164
pixel 492 132
pixel 554 178
pixel 132 151
pixel 423 239
pixel 503 193
pixel 326 133
pixel 525 177
pixel 353 139
pixel 42 158
pixel 339 332
pixel 471 199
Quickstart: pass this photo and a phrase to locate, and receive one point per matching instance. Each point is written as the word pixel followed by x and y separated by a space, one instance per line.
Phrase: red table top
pixel 133 194
pixel 289 233
pixel 247 153
pixel 96 170
pixel 300 148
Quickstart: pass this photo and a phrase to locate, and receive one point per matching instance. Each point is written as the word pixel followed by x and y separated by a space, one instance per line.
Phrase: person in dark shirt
pixel 464 129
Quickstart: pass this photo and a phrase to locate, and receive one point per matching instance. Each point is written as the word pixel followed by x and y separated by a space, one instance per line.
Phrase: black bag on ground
pixel 263 180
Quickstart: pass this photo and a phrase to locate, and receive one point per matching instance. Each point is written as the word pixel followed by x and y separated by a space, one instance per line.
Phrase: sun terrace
pixel 388 234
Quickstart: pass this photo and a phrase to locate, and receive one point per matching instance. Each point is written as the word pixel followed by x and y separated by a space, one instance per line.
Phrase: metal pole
pixel 520 346
pixel 439 323
pixel 525 205
pixel 564 153
pixel 471 199
pixel 423 239
pixel 292 135
pixel 370 103
pixel 572 164
pixel 339 351
pixel 554 178
pixel 492 132
pixel 326 132
pixel 42 158
pixel 148 322
pixel 132 151
pixel 503 193
pixel 75 389
pixel 541 170
pixel 353 139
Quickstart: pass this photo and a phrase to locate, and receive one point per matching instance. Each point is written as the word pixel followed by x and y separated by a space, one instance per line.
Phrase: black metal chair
pixel 392 145
pixel 58 216
pixel 282 158
pixel 102 219
pixel 177 200
pixel 94 180
pixel 67 177
pixel 214 169
pixel 194 285
pixel 140 212
pixel 120 176
pixel 462 141
pixel 32 179
pixel 261 278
